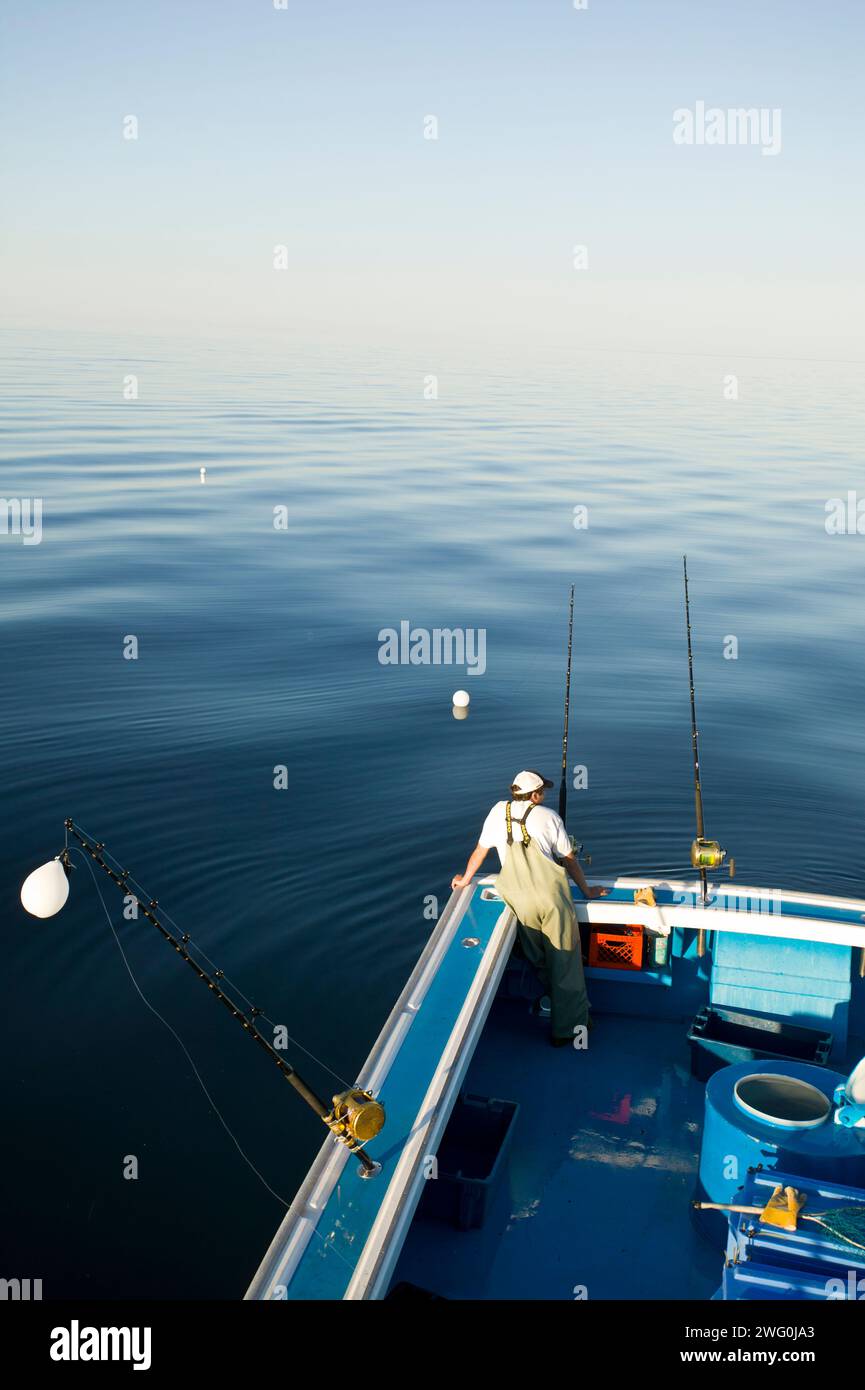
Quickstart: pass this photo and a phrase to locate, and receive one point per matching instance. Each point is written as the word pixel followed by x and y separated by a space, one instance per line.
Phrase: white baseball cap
pixel 529 781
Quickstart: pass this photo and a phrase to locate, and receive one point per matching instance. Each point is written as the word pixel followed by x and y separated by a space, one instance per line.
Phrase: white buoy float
pixel 462 699
pixel 44 892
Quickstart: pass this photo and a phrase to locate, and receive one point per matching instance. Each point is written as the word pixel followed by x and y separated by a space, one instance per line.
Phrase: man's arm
pixel 478 856
pixel 572 864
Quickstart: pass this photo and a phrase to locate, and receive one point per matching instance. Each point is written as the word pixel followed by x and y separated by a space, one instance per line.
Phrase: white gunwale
pixel 380 1253
pixel 665 916
pixel 300 1221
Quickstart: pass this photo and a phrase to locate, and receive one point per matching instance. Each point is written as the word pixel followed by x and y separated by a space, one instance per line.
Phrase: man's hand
pixel 460 881
pixel 573 868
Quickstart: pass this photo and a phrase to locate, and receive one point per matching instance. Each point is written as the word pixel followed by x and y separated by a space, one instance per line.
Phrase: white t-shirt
pixel 545 827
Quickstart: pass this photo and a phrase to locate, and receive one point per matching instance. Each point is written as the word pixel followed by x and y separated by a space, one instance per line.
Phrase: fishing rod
pixel 563 787
pixel 354 1117
pixel 705 854
pixel 695 743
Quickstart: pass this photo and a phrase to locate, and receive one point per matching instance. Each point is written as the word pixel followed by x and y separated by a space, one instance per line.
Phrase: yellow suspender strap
pixel 527 839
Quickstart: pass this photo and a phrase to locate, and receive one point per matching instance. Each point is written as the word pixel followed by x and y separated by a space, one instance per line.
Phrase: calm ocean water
pixel 258 647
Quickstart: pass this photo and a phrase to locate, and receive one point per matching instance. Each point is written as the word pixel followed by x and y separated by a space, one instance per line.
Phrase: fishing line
pixel 175 1034
pixel 353 1117
pixel 198 1075
pixel 144 896
pixel 247 1160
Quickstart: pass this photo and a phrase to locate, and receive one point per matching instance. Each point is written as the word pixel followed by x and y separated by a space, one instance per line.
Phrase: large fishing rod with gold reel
pixel 705 854
pixel 354 1117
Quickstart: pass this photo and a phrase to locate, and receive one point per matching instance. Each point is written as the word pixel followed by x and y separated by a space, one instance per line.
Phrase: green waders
pixel 538 893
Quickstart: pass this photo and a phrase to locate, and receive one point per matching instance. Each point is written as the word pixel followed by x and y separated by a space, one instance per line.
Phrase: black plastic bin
pixel 719 1037
pixel 471 1161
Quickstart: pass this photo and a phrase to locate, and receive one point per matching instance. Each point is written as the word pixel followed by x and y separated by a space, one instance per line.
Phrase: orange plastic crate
pixel 617 948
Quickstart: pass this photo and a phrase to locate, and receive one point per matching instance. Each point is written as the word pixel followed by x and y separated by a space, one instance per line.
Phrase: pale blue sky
pixel 305 127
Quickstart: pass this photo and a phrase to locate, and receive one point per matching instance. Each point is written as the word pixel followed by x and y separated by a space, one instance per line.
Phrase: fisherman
pixel 536 889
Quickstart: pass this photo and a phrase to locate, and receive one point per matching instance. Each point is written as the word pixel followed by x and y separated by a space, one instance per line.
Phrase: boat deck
pixel 600 1173
pixel 594 1198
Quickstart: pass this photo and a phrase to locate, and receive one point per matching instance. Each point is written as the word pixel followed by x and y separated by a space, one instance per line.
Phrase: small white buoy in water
pixel 44 892
pixel 203 474
pixel 461 699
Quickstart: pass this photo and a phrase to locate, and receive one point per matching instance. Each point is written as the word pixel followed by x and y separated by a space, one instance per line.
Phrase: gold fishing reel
pixel 356 1117
pixel 707 854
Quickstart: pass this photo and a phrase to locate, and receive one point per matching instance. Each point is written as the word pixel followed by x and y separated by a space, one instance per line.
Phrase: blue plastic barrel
pixel 735 1140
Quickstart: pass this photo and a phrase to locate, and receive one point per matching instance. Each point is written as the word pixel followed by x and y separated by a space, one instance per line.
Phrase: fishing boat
pixel 704 1140
pixel 512 1171
pixel 649 1160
